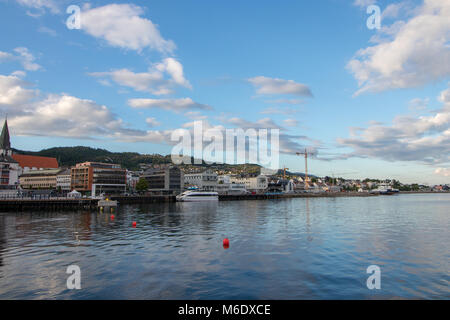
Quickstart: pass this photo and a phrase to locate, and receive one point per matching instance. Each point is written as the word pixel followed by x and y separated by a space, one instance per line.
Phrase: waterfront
pixel 301 248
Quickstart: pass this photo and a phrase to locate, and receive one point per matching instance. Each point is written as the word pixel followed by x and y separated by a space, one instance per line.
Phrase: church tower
pixel 5 142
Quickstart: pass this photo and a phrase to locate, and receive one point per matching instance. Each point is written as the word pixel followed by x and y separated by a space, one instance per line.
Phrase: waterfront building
pixel 164 179
pixel 98 178
pixel 256 184
pixel 205 181
pixel 33 163
pixel 132 180
pixel 225 186
pixel 39 179
pixel 63 180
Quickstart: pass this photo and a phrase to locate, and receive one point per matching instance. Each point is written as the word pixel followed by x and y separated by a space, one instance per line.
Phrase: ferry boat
pixel 198 196
pixel 385 189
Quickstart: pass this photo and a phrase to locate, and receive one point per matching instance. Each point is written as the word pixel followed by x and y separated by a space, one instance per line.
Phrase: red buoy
pixel 134 224
pixel 112 217
pixel 226 243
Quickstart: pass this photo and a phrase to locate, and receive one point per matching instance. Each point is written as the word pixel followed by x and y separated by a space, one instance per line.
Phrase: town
pixel 37 177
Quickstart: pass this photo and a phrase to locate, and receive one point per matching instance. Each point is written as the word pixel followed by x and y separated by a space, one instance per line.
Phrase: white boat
pixel 198 196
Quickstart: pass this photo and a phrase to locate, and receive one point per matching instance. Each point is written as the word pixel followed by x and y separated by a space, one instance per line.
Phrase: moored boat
pixel 198 196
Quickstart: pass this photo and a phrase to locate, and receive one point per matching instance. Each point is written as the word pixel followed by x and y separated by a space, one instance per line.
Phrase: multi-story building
pixel 253 184
pixel 98 178
pixel 164 179
pixel 205 181
pixel 63 180
pixel 39 179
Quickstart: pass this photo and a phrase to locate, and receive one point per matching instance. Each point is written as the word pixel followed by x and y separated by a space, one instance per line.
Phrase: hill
pixel 69 156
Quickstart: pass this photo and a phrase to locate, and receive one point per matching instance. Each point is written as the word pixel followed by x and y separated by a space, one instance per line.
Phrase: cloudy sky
pixel 372 102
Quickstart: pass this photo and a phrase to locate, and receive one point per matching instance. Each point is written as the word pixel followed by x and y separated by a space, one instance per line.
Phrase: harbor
pixel 61 204
pixel 295 248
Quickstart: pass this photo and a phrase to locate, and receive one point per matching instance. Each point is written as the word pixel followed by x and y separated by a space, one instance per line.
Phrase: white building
pixel 132 179
pixel 63 180
pixel 252 184
pixel 225 186
pixel 206 180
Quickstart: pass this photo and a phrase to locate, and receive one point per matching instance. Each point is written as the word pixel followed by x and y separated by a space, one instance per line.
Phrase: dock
pixel 65 204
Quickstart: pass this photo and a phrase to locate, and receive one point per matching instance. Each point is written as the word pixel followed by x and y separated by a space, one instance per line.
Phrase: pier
pixel 64 204
pixel 47 204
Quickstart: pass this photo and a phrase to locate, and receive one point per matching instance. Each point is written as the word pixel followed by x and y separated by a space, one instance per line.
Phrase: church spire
pixel 5 142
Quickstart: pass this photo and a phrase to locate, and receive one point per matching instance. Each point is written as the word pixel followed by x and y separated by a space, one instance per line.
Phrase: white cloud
pixel 48 31
pixel 423 139
pixel 291 122
pixel 121 25
pixel 265 85
pixel 413 53
pixel 27 59
pixel 418 104
pixel 31 113
pixel 152 122
pixel 442 172
pixel 23 56
pixel 14 95
pixel 364 3
pixel 153 81
pixel 41 5
pixel 176 105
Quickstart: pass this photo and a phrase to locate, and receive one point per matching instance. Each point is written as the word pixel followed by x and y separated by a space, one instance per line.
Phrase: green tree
pixel 142 185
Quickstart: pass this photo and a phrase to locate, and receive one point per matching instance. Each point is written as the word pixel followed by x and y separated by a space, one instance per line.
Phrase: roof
pixel 5 142
pixel 36 161
pixel 48 172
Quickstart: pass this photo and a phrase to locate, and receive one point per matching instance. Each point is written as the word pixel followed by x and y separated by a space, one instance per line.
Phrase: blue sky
pixel 374 103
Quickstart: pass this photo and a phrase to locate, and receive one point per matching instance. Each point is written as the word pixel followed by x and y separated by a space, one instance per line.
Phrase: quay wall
pixel 19 205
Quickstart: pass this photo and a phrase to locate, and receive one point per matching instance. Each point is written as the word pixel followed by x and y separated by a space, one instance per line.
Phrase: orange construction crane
pixel 306 154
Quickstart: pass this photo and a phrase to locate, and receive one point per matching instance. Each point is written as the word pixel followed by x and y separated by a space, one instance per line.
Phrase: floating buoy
pixel 134 224
pixel 112 217
pixel 226 243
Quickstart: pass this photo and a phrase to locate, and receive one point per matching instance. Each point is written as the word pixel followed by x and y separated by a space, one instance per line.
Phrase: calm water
pixel 285 249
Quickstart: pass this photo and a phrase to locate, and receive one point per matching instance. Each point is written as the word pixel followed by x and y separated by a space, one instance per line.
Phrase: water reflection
pixel 288 249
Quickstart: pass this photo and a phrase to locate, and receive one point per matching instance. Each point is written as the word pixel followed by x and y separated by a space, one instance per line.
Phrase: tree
pixel 142 185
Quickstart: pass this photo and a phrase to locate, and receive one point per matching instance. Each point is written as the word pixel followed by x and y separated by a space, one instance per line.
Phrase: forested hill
pixel 69 156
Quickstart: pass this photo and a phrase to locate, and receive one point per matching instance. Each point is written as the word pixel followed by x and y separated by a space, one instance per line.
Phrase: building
pixel 32 163
pixel 205 181
pixel 226 187
pixel 98 178
pixel 39 179
pixel 253 184
pixel 9 167
pixel 164 179
pixel 132 180
pixel 63 180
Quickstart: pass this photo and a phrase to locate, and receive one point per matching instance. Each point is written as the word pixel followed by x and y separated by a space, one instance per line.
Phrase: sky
pixel 371 102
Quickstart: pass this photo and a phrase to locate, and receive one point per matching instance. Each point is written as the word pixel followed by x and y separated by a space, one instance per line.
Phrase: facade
pixel 205 181
pixel 132 180
pixel 253 184
pixel 98 178
pixel 169 179
pixel 225 186
pixel 63 180
pixel 39 179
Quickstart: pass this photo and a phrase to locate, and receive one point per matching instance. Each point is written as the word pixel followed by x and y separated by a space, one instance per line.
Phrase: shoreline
pixel 27 205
